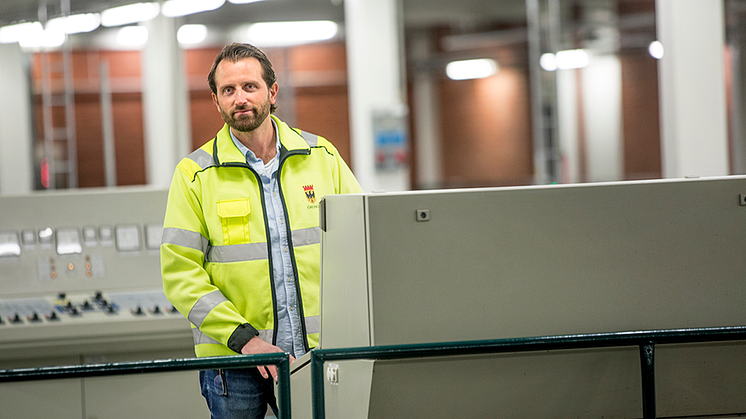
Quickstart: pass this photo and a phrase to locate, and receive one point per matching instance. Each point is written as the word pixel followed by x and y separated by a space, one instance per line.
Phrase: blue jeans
pixel 240 393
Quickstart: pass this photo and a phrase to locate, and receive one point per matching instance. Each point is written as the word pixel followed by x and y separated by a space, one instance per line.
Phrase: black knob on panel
pixel 53 316
pixel 139 311
pixel 35 318
pixel 16 319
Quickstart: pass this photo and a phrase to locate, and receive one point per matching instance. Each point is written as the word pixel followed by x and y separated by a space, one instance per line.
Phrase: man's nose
pixel 241 96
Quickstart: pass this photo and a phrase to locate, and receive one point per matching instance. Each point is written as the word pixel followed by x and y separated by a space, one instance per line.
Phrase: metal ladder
pixel 58 113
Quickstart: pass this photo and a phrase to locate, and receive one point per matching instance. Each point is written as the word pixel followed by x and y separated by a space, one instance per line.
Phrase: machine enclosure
pixel 460 265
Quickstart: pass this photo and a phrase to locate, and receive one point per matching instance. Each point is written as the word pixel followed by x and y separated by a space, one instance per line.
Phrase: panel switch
pixel 332 374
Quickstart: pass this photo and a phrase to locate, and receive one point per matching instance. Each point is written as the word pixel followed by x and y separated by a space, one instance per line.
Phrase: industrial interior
pixel 531 169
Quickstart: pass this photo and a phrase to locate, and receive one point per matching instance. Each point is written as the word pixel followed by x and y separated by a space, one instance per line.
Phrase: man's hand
pixel 258 346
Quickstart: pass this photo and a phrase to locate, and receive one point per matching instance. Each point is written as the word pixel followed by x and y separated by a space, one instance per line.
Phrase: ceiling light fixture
pixel 283 34
pixel 565 60
pixel 131 13
pixel 471 69
pixel 656 50
pixel 244 1
pixel 76 23
pixel 132 36
pixel 191 34
pixel 14 33
pixel 176 8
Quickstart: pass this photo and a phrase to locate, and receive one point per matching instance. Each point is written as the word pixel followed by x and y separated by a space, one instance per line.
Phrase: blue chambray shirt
pixel 289 330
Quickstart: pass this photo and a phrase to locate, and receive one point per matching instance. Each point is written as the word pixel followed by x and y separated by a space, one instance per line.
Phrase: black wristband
pixel 242 335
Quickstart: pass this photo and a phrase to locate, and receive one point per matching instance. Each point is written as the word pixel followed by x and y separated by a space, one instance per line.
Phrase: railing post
pixel 317 385
pixel 648 380
pixel 283 389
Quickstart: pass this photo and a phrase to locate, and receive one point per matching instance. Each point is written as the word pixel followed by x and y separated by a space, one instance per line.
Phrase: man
pixel 241 240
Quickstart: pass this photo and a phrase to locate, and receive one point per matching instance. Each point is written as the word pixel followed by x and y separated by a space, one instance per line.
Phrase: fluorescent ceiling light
pixel 573 58
pixel 14 33
pixel 191 34
pixel 565 60
pixel 471 69
pixel 50 38
pixel 132 36
pixel 175 8
pixel 656 50
pixel 282 34
pixel 32 35
pixel 76 23
pixel 548 62
pixel 131 13
pixel 244 1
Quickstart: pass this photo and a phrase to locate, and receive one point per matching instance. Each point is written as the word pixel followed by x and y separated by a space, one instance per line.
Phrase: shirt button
pixel 290 278
pixel 292 308
pixel 285 248
pixel 282 221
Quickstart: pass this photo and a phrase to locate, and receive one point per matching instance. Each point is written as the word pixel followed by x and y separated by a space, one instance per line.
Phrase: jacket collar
pixel 225 152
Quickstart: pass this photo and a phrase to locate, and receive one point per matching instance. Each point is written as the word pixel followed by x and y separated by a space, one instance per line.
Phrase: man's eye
pixel 228 90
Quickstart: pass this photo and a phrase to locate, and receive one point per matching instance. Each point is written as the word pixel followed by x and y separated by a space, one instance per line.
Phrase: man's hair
pixel 236 52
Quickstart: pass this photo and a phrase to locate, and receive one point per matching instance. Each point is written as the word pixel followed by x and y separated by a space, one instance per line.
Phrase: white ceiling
pixel 416 12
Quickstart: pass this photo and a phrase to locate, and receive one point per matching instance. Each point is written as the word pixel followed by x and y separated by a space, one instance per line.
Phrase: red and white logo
pixel 310 194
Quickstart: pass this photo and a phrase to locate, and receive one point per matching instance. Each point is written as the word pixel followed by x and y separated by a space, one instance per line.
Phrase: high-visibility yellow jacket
pixel 215 257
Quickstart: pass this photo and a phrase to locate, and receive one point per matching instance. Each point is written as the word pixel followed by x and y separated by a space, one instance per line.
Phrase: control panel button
pixel 28 237
pixel 9 244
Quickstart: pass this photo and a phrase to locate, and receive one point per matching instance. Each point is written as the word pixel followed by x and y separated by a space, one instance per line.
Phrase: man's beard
pixel 248 122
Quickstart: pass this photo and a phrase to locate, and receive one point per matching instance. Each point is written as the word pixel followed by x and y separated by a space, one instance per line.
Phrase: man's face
pixel 243 98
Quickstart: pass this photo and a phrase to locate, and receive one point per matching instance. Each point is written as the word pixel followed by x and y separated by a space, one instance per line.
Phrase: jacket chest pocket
pixel 234 219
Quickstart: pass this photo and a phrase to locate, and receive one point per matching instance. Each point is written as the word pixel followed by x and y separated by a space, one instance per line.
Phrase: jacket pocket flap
pixel 234 208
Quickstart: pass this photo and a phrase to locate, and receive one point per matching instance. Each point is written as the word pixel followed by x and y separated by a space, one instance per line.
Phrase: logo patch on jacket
pixel 310 194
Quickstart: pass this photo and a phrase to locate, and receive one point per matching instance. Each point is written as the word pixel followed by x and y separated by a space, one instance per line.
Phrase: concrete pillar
pixel 602 107
pixel 376 90
pixel 738 119
pixel 694 137
pixel 427 126
pixel 165 102
pixel 16 135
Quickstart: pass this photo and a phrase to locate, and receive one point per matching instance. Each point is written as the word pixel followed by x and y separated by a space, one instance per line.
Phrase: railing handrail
pixel 279 359
pixel 645 340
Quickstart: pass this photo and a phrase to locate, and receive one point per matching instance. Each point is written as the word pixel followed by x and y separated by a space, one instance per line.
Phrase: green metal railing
pixel 645 340
pixel 167 365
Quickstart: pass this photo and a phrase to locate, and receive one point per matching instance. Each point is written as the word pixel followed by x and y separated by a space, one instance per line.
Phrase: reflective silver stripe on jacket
pixel 204 305
pixel 200 338
pixel 306 236
pixel 237 253
pixel 202 158
pixel 311 139
pixel 185 238
pixel 313 324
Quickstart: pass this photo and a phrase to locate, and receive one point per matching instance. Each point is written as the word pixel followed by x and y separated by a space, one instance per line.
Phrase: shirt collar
pixel 250 154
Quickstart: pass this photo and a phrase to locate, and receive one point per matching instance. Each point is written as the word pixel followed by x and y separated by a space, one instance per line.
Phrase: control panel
pixel 80 271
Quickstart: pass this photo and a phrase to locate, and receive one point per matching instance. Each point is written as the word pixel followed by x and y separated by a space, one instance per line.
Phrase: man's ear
pixel 215 101
pixel 273 93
